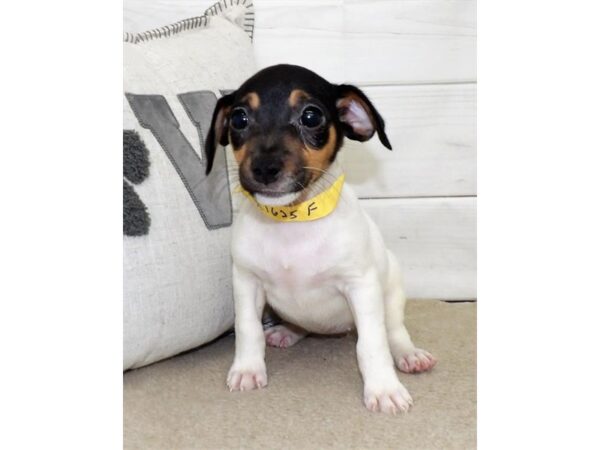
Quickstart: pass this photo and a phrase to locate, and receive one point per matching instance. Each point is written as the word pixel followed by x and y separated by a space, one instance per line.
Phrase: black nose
pixel 266 171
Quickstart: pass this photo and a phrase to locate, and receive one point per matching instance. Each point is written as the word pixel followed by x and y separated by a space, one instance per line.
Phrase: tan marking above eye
pixel 252 99
pixel 296 95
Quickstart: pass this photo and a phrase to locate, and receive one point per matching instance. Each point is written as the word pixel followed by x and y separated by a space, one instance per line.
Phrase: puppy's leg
pixel 407 357
pixel 248 370
pixel 382 390
pixel 284 335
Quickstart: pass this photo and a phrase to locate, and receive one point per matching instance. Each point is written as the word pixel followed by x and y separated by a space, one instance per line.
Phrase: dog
pixel 303 244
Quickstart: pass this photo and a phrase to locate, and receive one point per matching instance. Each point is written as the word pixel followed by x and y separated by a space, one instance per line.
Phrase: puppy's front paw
pixel 416 361
pixel 389 400
pixel 246 379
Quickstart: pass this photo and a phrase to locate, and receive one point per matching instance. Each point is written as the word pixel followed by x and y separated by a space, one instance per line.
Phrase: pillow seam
pixel 195 22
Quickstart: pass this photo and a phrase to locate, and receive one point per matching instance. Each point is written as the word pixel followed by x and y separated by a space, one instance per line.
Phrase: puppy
pixel 302 243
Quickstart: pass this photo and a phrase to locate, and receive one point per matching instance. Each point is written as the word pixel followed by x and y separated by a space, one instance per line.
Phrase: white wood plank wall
pixel 416 60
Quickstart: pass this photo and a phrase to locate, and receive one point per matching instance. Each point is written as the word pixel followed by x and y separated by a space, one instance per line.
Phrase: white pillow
pixel 177 269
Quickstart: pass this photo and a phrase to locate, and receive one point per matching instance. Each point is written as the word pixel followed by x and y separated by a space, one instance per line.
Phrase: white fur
pixel 325 276
pixel 281 200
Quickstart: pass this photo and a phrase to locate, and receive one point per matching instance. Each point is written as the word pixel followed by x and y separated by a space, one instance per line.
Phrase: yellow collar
pixel 315 208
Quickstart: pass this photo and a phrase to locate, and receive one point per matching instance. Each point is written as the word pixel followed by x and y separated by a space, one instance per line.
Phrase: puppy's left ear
pixel 218 129
pixel 360 120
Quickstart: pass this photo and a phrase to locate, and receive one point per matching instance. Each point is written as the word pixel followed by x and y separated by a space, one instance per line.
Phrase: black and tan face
pixel 286 125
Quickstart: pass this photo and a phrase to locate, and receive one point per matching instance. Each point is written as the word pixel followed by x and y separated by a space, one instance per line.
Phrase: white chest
pixel 287 254
pixel 300 266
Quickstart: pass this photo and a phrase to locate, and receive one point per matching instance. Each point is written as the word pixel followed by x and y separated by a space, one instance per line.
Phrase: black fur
pixel 274 122
pixel 217 135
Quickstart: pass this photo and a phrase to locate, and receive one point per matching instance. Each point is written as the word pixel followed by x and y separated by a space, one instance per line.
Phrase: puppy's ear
pixel 217 135
pixel 360 120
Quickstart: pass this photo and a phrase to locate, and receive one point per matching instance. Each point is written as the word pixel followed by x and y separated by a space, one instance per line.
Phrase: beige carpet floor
pixel 314 396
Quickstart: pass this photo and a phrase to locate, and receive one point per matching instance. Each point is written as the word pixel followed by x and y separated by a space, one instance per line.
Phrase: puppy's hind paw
pixel 416 361
pixel 283 336
pixel 246 380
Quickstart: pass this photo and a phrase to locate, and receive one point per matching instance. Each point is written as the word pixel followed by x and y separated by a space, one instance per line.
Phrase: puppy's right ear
pixel 217 135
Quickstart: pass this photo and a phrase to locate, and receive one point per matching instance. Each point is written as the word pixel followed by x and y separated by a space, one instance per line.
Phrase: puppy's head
pixel 286 125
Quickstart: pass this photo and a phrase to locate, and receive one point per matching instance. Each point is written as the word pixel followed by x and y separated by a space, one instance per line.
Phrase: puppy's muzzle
pixel 266 170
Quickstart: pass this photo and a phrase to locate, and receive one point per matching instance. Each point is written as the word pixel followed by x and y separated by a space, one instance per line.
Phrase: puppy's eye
pixel 239 119
pixel 311 117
